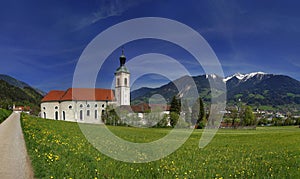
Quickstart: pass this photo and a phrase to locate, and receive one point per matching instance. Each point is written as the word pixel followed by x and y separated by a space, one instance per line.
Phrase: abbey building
pixel 87 104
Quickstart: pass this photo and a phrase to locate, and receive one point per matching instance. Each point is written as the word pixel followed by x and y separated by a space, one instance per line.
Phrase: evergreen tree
pixel 175 105
pixel 198 113
pixel 174 111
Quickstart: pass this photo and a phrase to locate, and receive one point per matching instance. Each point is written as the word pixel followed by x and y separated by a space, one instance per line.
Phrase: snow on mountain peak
pixel 213 76
pixel 244 77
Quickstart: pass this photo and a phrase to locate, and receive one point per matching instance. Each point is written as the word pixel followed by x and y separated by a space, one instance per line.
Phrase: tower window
pixel 125 81
pixel 118 81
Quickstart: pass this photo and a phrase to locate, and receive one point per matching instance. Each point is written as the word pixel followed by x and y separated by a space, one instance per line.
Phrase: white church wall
pixel 75 111
pixel 50 110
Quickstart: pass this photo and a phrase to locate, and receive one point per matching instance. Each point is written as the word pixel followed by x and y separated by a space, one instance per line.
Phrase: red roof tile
pixel 54 95
pixel 89 94
pixel 80 94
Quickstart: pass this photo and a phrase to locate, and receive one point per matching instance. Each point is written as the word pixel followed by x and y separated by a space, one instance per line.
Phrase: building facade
pixel 87 104
pixel 77 104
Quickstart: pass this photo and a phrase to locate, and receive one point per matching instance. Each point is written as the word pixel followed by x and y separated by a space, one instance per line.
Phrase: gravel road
pixel 14 161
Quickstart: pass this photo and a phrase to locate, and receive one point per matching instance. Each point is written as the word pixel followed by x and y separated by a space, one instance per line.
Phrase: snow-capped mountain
pixel 257 88
pixel 244 77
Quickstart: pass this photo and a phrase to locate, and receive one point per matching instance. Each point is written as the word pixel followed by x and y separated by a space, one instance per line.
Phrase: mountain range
pixel 256 89
pixel 13 91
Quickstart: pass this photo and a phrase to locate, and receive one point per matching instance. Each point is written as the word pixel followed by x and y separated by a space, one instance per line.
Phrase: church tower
pixel 122 86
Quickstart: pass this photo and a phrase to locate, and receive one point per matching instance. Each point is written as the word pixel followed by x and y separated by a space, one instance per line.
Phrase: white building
pixel 87 104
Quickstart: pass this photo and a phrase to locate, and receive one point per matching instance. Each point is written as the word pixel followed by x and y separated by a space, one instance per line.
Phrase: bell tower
pixel 122 85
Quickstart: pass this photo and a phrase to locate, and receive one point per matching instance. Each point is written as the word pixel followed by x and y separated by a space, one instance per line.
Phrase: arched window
pixel 45 115
pixel 118 81
pixel 56 115
pixel 81 115
pixel 125 81
pixel 96 114
pixel 64 115
pixel 88 113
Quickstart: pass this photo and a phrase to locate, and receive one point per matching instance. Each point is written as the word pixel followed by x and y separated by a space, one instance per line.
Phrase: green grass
pixel 4 114
pixel 59 150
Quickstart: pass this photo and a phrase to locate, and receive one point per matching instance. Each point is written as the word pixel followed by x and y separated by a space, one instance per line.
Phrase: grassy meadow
pixel 4 114
pixel 59 150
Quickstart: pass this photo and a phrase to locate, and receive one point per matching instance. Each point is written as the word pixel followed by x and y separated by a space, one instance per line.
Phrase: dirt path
pixel 14 161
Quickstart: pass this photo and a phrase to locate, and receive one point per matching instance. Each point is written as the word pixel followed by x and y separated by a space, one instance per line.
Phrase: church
pixel 87 104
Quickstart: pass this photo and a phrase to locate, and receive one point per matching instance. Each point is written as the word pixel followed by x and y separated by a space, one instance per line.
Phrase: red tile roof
pixel 22 108
pixel 80 94
pixel 54 95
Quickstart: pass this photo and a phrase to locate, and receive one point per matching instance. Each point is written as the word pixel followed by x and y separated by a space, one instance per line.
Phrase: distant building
pixel 87 104
pixel 19 109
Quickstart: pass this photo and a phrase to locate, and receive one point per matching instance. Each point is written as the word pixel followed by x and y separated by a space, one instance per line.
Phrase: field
pixel 4 114
pixel 59 150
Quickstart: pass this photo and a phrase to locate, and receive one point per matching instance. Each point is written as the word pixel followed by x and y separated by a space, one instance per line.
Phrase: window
pixel 56 107
pixel 44 108
pixel 118 81
pixel 96 105
pixel 88 113
pixel 125 81
pixel 56 115
pixel 96 114
pixel 81 115
pixel 64 115
pixel 70 107
pixel 88 105
pixel 45 115
pixel 103 105
pixel 81 106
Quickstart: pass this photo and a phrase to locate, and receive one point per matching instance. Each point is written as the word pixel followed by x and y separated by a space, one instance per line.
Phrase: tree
pixel 234 115
pixel 248 118
pixel 175 105
pixel 174 111
pixel 163 122
pixel 198 113
pixel 110 116
pixel 173 119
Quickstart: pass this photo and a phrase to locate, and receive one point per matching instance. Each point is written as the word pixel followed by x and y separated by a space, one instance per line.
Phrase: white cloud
pixel 107 8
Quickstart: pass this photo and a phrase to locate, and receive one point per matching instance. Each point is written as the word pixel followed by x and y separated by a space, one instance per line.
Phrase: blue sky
pixel 41 41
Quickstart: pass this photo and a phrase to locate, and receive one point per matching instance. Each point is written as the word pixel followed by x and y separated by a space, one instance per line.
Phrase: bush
pixel 4 114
